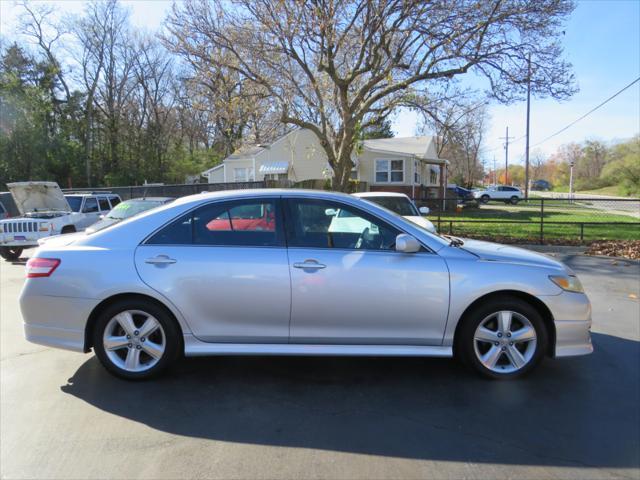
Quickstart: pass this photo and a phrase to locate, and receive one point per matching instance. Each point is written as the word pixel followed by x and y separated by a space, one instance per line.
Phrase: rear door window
pixel 249 223
pixel 90 205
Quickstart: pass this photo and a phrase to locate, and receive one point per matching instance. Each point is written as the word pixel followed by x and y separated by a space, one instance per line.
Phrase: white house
pixel 409 165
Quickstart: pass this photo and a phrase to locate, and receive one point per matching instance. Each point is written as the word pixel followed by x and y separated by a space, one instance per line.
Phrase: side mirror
pixel 424 210
pixel 330 212
pixel 407 244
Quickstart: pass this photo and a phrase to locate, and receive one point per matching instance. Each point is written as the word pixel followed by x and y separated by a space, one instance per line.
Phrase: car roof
pixel 152 199
pixel 379 194
pixel 90 194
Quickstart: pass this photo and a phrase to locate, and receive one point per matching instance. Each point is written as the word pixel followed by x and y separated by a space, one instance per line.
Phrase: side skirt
pixel 194 347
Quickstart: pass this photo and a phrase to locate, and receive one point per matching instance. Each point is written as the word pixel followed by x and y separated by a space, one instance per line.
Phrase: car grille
pixel 20 227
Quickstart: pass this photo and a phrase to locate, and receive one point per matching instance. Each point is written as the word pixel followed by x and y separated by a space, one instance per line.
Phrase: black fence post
pixel 581 232
pixel 541 221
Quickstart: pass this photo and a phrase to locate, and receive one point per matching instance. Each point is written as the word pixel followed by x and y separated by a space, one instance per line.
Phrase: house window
pixel 242 175
pixel 433 176
pixel 416 174
pixel 276 176
pixel 354 174
pixel 389 171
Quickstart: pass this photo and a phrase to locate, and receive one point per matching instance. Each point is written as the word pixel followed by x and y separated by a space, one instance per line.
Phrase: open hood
pixel 38 197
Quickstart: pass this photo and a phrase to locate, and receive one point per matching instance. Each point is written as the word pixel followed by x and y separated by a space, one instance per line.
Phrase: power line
pixel 589 112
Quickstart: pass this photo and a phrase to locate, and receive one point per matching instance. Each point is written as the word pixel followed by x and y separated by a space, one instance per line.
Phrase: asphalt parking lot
pixel 63 416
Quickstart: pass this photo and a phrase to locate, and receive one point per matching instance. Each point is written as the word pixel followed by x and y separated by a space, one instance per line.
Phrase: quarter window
pixel 322 224
pixel 389 171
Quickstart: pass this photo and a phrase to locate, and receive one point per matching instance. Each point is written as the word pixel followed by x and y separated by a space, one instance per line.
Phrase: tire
pixel 68 229
pixel 129 342
pixel 514 200
pixel 11 253
pixel 485 199
pixel 490 350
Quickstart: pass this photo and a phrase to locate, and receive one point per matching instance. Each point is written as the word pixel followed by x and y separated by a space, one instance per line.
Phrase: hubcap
pixel 134 340
pixel 505 341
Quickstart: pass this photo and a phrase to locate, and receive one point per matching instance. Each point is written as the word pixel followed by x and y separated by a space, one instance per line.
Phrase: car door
pixel 90 213
pixel 224 266
pixel 350 286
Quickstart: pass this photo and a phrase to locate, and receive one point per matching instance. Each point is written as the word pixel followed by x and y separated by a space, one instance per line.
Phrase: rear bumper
pixel 572 319
pixel 55 337
pixel 56 321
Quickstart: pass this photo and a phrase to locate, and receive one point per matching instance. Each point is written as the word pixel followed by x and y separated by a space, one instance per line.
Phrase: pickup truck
pixel 46 211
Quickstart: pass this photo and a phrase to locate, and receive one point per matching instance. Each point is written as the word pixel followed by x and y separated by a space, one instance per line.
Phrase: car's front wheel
pixel 10 253
pixel 485 198
pixel 502 339
pixel 514 200
pixel 136 339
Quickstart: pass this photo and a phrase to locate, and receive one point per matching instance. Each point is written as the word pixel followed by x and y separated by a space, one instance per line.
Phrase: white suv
pixel 45 211
pixel 503 193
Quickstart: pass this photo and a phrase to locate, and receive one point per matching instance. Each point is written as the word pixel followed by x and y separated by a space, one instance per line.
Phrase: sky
pixel 602 41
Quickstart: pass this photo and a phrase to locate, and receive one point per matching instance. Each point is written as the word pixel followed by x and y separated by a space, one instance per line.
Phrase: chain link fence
pixel 537 220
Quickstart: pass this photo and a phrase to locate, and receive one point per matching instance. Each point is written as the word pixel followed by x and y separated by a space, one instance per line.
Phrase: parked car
pixel 162 284
pixel 402 205
pixel 127 209
pixel 540 185
pixel 502 193
pixel 462 194
pixel 45 211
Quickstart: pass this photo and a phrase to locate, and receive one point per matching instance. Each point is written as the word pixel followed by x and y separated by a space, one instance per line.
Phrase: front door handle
pixel 309 264
pixel 160 260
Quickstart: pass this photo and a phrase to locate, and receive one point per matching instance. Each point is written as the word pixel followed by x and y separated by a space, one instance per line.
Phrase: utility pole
pixel 506 138
pixel 526 151
pixel 495 172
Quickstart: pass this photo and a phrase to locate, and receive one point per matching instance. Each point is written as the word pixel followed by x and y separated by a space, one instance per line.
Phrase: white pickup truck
pixel 46 211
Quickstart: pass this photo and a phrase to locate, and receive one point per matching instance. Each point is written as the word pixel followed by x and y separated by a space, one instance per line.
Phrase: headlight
pixel 570 283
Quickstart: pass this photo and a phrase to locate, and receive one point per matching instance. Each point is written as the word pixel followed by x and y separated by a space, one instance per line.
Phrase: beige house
pixel 409 165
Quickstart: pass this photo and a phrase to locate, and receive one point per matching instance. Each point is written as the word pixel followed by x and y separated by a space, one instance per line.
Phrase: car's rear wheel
pixel 502 339
pixel 11 253
pixel 514 200
pixel 68 229
pixel 485 198
pixel 136 339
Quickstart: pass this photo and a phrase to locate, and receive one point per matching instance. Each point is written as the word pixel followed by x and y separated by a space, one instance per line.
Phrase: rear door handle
pixel 309 264
pixel 160 260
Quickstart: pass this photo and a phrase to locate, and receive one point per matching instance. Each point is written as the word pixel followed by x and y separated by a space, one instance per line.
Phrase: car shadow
pixel 579 411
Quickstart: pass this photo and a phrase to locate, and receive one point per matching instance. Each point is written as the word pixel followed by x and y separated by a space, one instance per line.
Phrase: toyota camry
pixel 271 272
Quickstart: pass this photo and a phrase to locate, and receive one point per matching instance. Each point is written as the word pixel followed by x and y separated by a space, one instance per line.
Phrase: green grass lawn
pixel 561 221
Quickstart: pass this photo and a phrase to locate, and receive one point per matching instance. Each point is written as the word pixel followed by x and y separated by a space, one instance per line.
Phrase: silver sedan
pixel 275 272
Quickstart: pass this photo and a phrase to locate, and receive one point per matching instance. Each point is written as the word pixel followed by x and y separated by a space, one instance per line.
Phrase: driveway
pixel 63 416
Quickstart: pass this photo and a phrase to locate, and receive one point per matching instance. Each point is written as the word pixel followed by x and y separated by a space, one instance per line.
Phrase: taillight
pixel 41 267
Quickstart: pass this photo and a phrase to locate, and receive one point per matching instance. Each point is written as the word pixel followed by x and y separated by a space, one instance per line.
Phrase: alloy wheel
pixel 134 340
pixel 505 342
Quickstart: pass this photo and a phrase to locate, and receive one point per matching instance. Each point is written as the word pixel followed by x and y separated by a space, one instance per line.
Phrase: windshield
pixel 130 208
pixel 400 205
pixel 74 202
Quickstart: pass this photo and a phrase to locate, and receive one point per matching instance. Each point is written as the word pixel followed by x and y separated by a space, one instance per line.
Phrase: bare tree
pixel 36 23
pixel 334 66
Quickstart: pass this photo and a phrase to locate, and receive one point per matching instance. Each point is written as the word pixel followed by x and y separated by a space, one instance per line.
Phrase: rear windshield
pixel 132 207
pixel 400 205
pixel 75 202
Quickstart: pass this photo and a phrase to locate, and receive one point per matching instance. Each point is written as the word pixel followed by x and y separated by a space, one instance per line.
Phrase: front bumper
pixel 572 318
